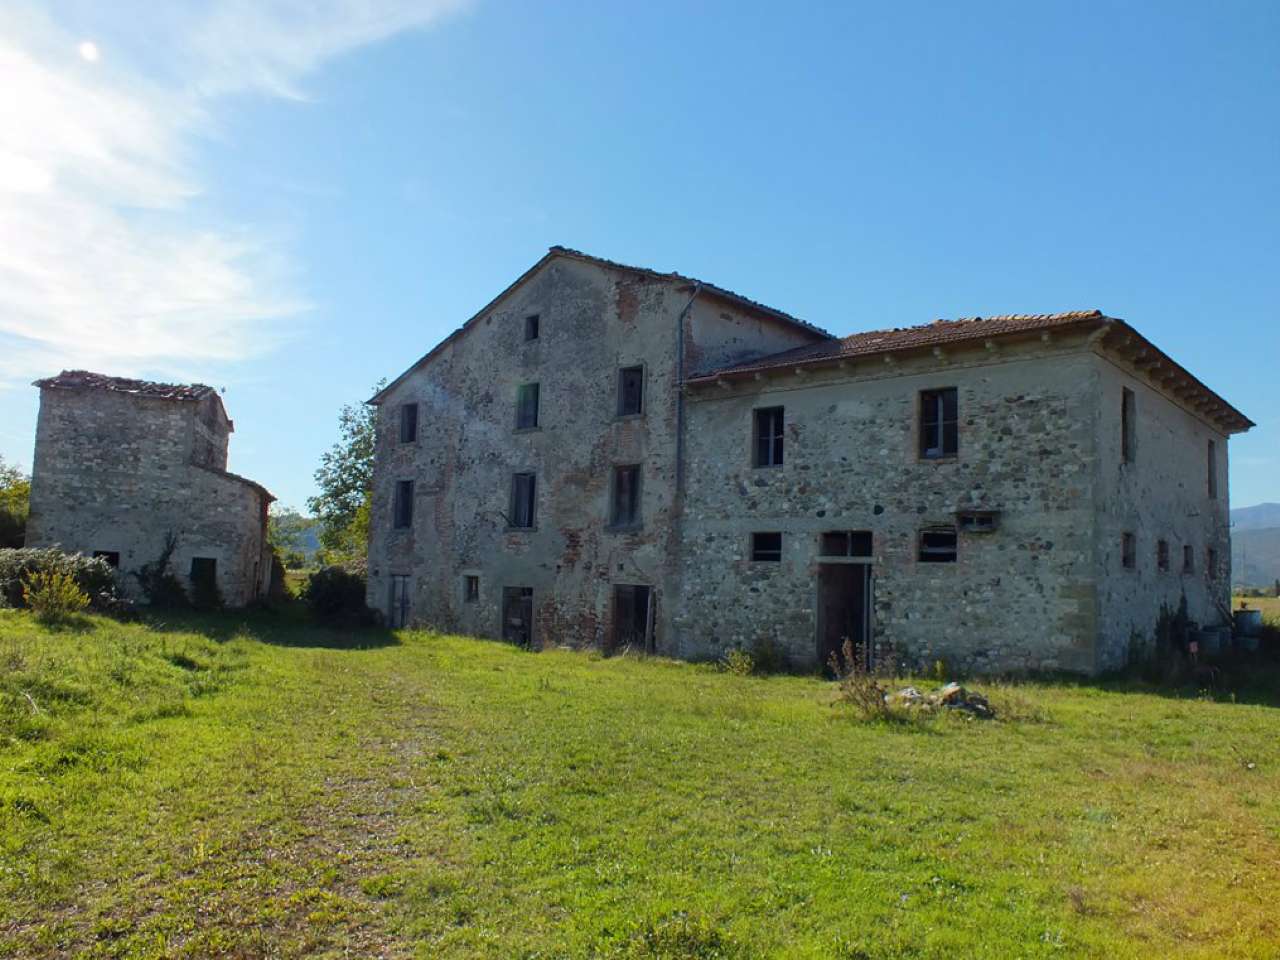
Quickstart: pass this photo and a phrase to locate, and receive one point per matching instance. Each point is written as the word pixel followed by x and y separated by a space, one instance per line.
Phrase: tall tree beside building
pixel 15 495
pixel 345 479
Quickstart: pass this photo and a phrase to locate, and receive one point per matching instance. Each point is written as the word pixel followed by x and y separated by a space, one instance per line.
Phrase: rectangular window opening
pixel 939 423
pixel 1211 563
pixel 630 391
pixel 111 556
pixel 846 543
pixel 527 397
pixel 1188 559
pixel 625 507
pixel 403 506
pixel 524 488
pixel 768 437
pixel 938 545
pixel 766 547
pixel 977 521
pixel 1128 551
pixel 1162 554
pixel 204 569
pixel 408 423
pixel 398 602
pixel 531 324
pixel 471 588
pixel 1127 411
pixel 517 615
pixel 1212 458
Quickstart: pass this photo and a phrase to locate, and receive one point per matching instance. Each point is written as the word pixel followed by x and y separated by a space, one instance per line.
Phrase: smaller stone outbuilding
pixel 123 466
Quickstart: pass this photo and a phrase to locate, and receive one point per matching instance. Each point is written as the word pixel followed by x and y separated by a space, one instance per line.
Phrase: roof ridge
pixel 88 379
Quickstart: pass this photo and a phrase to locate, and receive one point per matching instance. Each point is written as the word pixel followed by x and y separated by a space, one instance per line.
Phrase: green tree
pixel 345 479
pixel 287 530
pixel 15 497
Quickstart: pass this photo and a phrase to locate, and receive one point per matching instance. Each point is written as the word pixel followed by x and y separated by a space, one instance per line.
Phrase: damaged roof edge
pixel 270 498
pixel 910 339
pixel 571 254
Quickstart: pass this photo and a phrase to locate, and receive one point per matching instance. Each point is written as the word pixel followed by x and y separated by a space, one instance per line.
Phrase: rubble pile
pixel 952 696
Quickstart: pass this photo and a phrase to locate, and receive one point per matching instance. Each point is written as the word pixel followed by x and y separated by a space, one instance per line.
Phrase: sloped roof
pixel 236 478
pixel 86 380
pixel 1119 337
pixel 937 333
pixel 567 252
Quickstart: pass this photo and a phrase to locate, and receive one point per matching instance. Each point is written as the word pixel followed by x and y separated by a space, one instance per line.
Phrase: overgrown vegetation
pixel 336 596
pixel 159 584
pixel 15 496
pixel 94 577
pixel 226 785
pixel 53 596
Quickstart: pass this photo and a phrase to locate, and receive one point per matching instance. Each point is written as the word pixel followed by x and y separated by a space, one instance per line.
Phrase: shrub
pixel 94 577
pixel 53 595
pixel 738 662
pixel 334 595
pixel 159 584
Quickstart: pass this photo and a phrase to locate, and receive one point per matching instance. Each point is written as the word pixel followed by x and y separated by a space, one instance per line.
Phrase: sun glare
pixel 88 51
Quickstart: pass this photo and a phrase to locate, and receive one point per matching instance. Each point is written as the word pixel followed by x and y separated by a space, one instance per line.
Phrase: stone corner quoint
pixel 123 466
pixel 609 456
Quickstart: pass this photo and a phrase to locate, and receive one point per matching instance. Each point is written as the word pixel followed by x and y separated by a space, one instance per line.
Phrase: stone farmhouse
pixel 120 465
pixel 606 455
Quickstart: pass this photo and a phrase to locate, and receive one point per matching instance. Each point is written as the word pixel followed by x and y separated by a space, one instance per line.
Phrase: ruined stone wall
pixel 592 321
pixel 1020 598
pixel 112 472
pixel 1161 494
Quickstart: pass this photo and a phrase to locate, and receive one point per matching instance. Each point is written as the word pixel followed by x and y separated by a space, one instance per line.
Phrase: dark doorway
pixel 398 614
pixel 517 615
pixel 632 618
pixel 844 611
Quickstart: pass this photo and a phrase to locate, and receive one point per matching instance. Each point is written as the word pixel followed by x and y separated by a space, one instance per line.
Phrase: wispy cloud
pixel 103 263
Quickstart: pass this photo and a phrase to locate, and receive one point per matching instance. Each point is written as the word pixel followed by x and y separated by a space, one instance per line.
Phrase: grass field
pixel 1270 607
pixel 258 788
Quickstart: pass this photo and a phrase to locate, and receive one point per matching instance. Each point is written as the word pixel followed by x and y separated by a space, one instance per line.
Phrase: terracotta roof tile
pixel 85 380
pixel 937 333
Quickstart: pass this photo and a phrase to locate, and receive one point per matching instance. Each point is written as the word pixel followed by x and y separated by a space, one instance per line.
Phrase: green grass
pixel 1270 607
pixel 249 788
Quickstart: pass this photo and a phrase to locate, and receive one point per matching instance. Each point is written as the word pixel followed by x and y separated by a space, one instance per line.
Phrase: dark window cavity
pixel 527 395
pixel 977 521
pixel 625 508
pixel 204 569
pixel 471 588
pixel 938 545
pixel 111 556
pixel 1162 554
pixel 632 617
pixel 1188 559
pixel 846 543
pixel 768 437
pixel 409 423
pixel 517 615
pixel 1212 464
pixel 766 547
pixel 1127 412
pixel 398 602
pixel 939 424
pixel 630 391
pixel 524 495
pixel 403 506
pixel 531 324
pixel 1211 563
pixel 1128 551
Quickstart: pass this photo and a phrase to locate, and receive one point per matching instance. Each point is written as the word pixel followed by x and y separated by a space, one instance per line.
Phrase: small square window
pixel 768 435
pixel 204 569
pixel 471 588
pixel 1188 558
pixel 408 423
pixel 1128 551
pixel 402 508
pixel 977 521
pixel 630 391
pixel 527 400
pixel 766 547
pixel 531 324
pixel 938 545
pixel 1162 554
pixel 111 556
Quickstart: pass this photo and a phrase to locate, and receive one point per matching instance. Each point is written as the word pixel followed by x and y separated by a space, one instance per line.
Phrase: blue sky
pixel 291 200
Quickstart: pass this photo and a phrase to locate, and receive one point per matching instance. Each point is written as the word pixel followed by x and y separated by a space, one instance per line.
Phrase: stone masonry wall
pixel 592 321
pixel 112 472
pixel 1161 494
pixel 1018 599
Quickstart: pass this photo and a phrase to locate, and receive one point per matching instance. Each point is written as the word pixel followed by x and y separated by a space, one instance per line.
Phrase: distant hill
pixel 1255 557
pixel 1261 516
